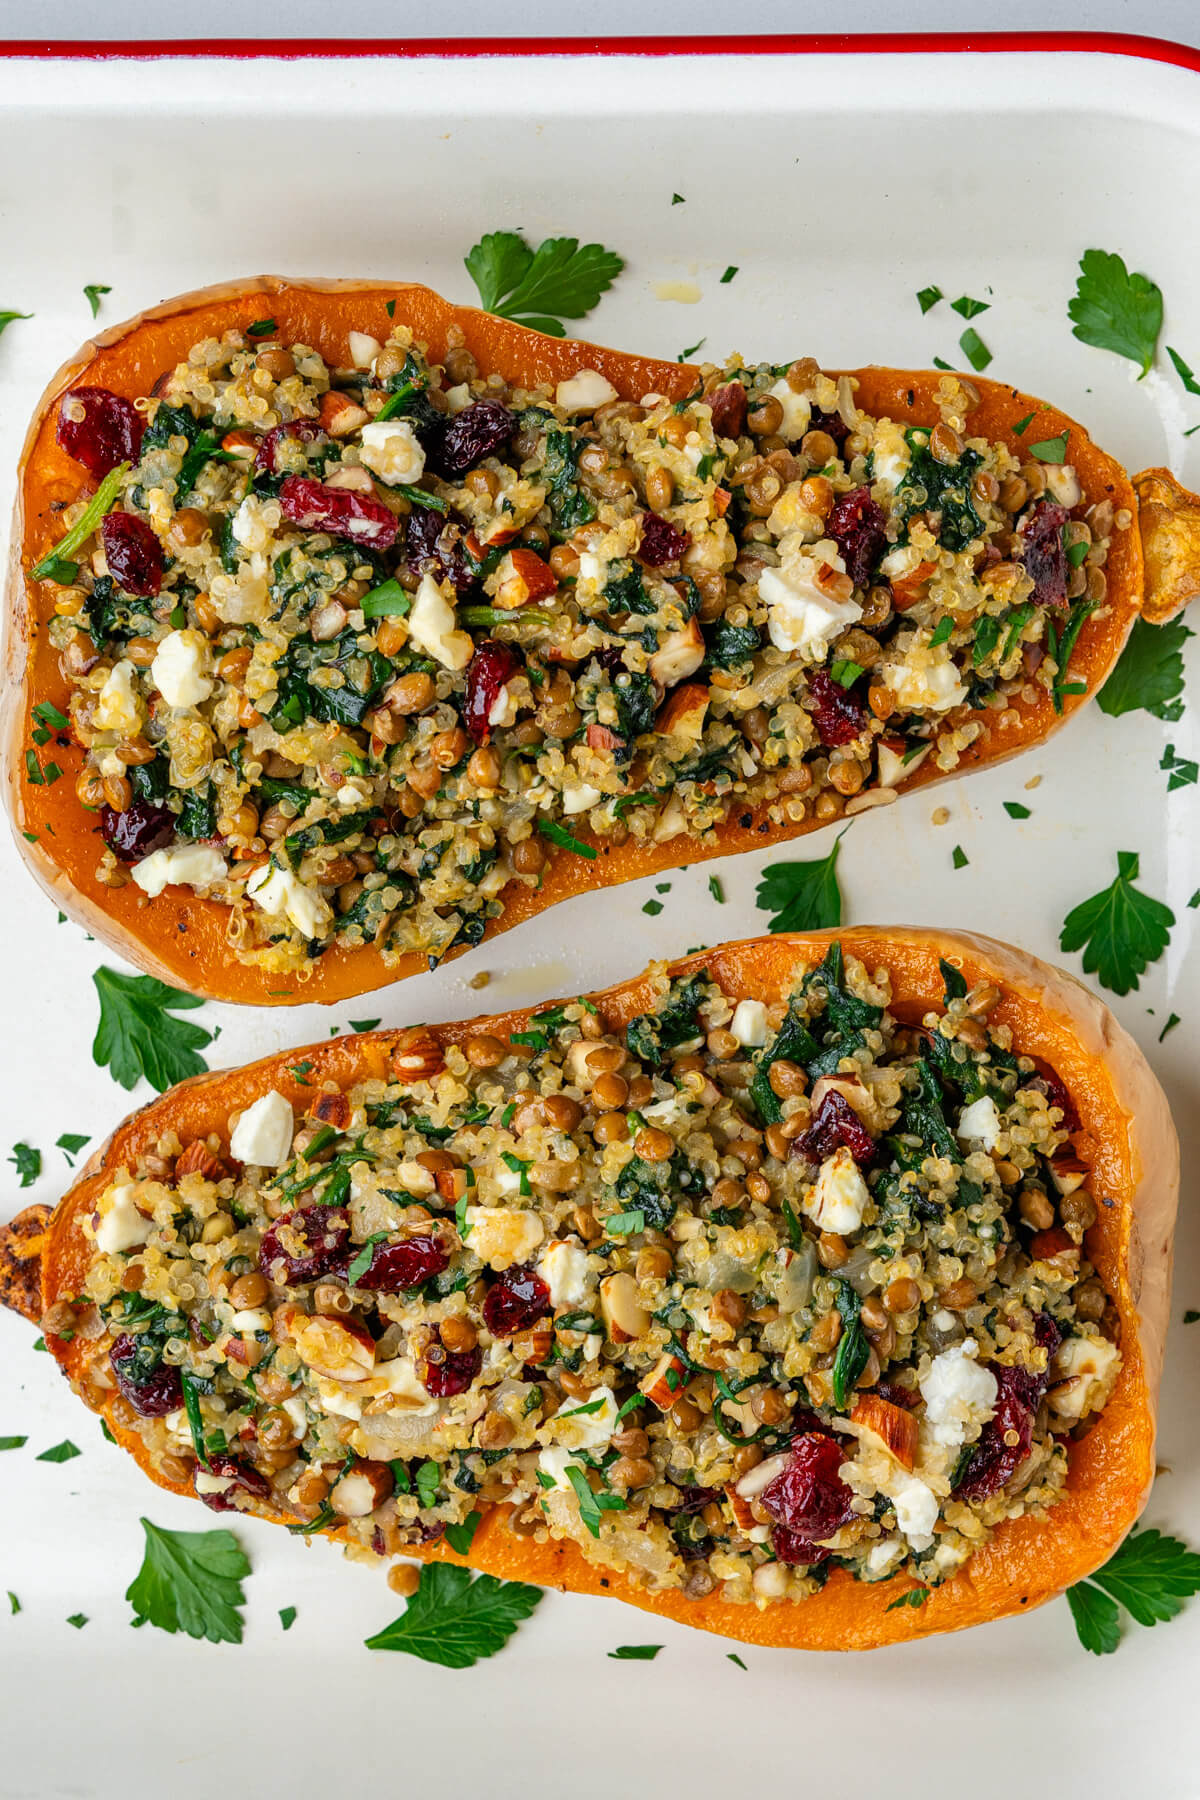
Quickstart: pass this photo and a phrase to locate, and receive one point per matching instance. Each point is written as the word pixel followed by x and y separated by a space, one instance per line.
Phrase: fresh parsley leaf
pixel 1015 810
pixel 460 1537
pixel 653 907
pixel 729 274
pixel 1120 930
pixel 974 349
pixel 968 308
pixel 6 318
pixel 59 1453
pixel 78 1620
pixel 93 290
pixel 139 1035
pixel 927 297
pixel 428 1480
pixel 287 1617
pixel 364 1024
pixel 13 1443
pixel 1022 425
pixel 455 1620
pixel 191 1581
pixel 635 1652
pixel 1150 1575
pixel 1114 310
pixel 1150 672
pixel 558 834
pixel 942 631
pixel 561 279
pixel 1183 773
pixel 804 896
pixel 1097 1618
pixel 49 715
pixel 28 1163
pixel 624 1224
pixel 959 857
pixel 592 1506
pixel 70 1143
pixel 1051 450
pixel 914 1597
pixel 1184 373
pixel 388 600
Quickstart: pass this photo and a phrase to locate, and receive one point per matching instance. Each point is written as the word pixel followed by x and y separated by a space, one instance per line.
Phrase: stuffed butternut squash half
pixel 754 1291
pixel 348 627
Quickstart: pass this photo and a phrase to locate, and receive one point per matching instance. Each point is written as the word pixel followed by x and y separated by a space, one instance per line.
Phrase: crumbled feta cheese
pixel 117 706
pixel 392 451
pixel 926 679
pixel 838 1199
pixel 1083 1371
pixel 432 627
pixel 182 865
pixel 892 458
pixel 263 1134
pixel 399 1377
pixel 796 410
pixel 749 1024
pixel 1063 483
pixel 335 1399
pixel 252 525
pixel 178 668
pixel 881 1556
pixel 584 391
pixel 802 619
pixel 281 893
pixel 592 568
pixel 121 1225
pixel 553 1463
pixel 958 1393
pixel 584 1430
pixel 916 1507
pixel 500 1235
pixel 581 798
pixel 458 398
pixel 564 1269
pixel 296 1411
pixel 353 793
pixel 980 1122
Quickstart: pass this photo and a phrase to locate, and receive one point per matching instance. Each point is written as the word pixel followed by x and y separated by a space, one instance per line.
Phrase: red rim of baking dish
pixel 888 43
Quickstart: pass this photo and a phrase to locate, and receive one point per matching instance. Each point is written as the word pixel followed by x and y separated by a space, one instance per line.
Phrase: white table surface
pixel 1178 19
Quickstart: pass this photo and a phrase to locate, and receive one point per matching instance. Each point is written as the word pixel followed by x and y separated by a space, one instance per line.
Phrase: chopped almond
pixel 664 1382
pixel 340 416
pixel 896 1428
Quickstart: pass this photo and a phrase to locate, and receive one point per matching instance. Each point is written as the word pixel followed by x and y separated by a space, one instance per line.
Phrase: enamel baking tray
pixel 839 176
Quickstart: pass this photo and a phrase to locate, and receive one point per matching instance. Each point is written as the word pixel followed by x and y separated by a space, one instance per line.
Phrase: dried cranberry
pixel 264 457
pixel 488 670
pixel 394 1267
pixel 232 1468
pixel 318 1236
pixel 994 1462
pixel 110 431
pixel 695 1499
pixel 339 511
pixel 897 1394
pixel 1050 1082
pixel 836 1123
pixel 433 546
pixel 141 828
pixel 728 404
pixel 515 1301
pixel 1043 552
pixel 832 424
pixel 837 715
pixel 809 1500
pixel 133 553
pixel 448 1372
pixel 662 542
pixel 463 441
pixel 857 525
pixel 151 1392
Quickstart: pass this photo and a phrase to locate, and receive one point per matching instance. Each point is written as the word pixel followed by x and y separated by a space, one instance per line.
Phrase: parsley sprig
pixel 1120 930
pixel 1149 674
pixel 456 1621
pixel 561 279
pixel 1151 1576
pixel 804 896
pixel 138 1033
pixel 191 1581
pixel 1116 310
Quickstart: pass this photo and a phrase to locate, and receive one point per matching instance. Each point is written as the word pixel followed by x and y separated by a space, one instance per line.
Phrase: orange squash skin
pixel 181 938
pixel 1127 1139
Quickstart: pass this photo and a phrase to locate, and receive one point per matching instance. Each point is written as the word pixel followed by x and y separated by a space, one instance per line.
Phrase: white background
pixel 114 175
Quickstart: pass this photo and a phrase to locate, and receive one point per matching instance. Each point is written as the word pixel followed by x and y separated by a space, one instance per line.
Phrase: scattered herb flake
pixel 1051 450
pixel 1022 425
pixel 287 1617
pixel 733 1657
pixel 364 1024
pixel 958 857
pixel 635 1652
pixel 927 297
pixel 7 318
pixel 1184 373
pixel 460 1537
pixel 974 349
pixel 914 1597
pixel 1170 1025
pixel 78 1620
pixel 968 308
pixel 94 290
pixel 60 1453
pixel 13 1443
pixel 1183 773
pixel 729 274
pixel 559 835
pixel 28 1163
pixel 1015 810
pixel 653 907
pixel 716 890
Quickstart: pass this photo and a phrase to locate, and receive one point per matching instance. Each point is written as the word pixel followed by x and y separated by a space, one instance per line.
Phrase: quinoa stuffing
pixel 731 1297
pixel 355 651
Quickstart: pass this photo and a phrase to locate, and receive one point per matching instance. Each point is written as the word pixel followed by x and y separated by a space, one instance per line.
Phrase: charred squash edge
pixel 1127 1139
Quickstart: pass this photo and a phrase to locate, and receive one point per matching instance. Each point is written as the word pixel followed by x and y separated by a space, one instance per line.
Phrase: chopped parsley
pixel 928 297
pixel 28 1163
